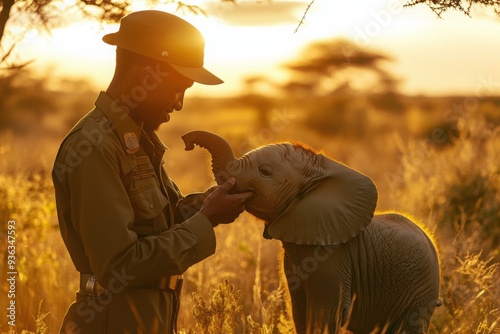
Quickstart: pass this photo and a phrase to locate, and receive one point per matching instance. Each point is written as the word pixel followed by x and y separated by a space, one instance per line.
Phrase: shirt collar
pixel 157 141
pixel 128 131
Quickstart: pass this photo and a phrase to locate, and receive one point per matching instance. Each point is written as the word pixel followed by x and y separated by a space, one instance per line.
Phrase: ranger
pixel 128 229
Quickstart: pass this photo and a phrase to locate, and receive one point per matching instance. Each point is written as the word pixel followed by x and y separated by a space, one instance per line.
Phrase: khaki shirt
pixel 123 220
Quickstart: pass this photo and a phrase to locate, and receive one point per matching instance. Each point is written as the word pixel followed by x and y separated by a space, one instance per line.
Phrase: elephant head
pixel 303 196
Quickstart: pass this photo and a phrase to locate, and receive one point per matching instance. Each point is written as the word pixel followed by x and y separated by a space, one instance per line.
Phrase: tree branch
pixel 4 15
pixel 464 6
pixel 303 16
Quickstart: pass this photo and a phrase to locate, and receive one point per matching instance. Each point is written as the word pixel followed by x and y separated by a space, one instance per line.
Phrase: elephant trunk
pixel 224 163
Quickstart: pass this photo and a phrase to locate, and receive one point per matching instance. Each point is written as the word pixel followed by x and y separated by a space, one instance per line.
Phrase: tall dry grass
pixel 454 189
pixel 45 272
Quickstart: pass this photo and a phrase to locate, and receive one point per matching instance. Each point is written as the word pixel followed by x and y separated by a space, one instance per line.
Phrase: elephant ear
pixel 337 209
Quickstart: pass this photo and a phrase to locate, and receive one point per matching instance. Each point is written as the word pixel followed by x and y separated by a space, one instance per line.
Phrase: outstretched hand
pixel 220 207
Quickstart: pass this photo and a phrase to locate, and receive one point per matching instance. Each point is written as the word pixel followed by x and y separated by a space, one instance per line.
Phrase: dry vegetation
pixel 445 172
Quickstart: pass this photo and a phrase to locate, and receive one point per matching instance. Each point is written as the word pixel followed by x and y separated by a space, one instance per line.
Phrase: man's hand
pixel 223 208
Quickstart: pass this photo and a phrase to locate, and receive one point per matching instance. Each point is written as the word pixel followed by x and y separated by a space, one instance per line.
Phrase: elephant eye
pixel 265 171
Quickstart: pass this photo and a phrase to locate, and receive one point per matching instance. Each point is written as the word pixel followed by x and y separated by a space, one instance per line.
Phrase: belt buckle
pixel 93 288
pixel 172 282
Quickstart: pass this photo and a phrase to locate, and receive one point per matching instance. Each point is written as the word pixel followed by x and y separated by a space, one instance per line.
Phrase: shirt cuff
pixel 202 229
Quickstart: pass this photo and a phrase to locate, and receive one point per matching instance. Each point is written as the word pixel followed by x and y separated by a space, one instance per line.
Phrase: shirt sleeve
pixel 102 215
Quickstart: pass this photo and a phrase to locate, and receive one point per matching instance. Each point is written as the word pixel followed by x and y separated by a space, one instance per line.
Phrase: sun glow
pixel 254 38
pixel 255 51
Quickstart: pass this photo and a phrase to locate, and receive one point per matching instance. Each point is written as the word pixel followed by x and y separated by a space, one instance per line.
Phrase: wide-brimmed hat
pixel 166 38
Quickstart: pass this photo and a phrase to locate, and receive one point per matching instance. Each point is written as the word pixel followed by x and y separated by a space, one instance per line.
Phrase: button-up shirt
pixel 118 210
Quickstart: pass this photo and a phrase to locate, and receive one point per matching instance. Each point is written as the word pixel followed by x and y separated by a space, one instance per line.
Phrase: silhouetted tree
pixel 23 101
pixel 338 83
pixel 325 66
pixel 261 103
pixel 440 6
pixel 29 103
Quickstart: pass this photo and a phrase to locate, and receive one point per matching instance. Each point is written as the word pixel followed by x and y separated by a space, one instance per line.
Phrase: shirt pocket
pixel 149 207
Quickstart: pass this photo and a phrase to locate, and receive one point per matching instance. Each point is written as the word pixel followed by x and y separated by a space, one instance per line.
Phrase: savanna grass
pixel 456 190
pixel 453 189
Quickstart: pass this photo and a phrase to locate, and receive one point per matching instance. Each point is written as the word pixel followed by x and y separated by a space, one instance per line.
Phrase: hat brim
pixel 110 38
pixel 198 74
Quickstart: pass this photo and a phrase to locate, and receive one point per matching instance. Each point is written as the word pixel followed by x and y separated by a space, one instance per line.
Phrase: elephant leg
pixel 321 296
pixel 299 310
pixel 318 321
pixel 400 327
pixel 416 321
pixel 327 309
pixel 294 280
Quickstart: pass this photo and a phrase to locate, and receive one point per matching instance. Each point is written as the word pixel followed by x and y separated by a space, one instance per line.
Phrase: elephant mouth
pixel 251 190
pixel 250 203
pixel 237 190
pixel 251 199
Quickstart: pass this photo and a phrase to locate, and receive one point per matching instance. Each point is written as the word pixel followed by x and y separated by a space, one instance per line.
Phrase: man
pixel 128 229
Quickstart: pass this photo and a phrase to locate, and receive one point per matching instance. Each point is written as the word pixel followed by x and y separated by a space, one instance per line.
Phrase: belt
pixel 90 286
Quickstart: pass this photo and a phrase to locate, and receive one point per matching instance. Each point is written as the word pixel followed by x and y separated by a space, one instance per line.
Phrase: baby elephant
pixel 345 267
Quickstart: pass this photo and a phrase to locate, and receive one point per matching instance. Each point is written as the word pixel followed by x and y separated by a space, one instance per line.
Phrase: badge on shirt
pixel 142 160
pixel 144 169
pixel 131 142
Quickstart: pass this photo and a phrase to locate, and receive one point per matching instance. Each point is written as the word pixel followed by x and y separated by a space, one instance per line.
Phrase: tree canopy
pixel 327 66
pixel 440 6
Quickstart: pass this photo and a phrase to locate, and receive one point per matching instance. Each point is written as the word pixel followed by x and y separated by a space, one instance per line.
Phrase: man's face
pixel 164 94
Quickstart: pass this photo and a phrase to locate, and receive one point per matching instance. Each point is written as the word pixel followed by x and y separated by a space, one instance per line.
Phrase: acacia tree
pixel 338 83
pixel 327 66
pixel 440 6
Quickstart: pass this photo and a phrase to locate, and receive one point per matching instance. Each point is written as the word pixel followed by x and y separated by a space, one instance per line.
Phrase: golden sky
pixel 455 54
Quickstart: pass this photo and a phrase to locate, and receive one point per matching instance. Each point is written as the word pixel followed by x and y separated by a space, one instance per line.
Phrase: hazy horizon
pixel 431 56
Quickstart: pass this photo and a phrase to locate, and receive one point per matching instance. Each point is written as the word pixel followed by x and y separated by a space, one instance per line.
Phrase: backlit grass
pixel 453 189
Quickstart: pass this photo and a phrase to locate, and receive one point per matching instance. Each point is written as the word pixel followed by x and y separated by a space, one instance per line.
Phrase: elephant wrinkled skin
pixel 345 266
